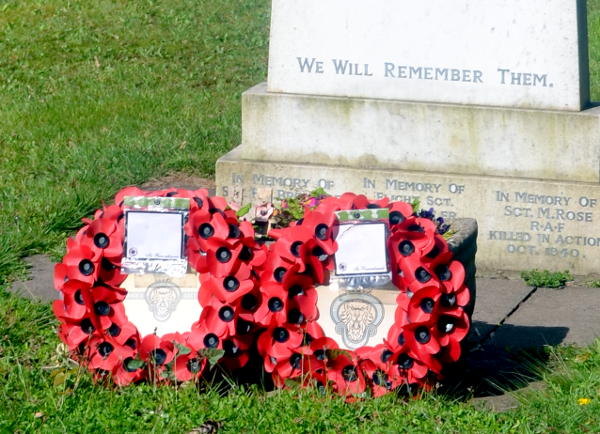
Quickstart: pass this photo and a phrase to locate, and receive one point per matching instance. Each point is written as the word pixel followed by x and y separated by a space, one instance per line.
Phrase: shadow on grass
pixel 510 359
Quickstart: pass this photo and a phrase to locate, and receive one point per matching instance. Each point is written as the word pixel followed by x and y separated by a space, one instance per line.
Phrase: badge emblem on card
pixel 356 317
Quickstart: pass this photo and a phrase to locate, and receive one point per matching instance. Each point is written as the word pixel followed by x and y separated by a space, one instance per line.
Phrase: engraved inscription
pixel 392 70
pixel 528 225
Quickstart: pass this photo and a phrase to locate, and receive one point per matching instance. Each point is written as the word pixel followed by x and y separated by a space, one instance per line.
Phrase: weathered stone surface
pixel 40 285
pixel 496 298
pixel 442 138
pixel 523 223
pixel 553 316
pixel 463 244
pixel 516 53
pixel 506 401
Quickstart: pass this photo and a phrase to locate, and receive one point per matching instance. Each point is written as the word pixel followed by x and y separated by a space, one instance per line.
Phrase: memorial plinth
pixel 523 160
pixel 448 138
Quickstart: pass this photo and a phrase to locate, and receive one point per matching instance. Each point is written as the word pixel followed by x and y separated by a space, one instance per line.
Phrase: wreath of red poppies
pixel 254 297
pixel 93 321
pixel 430 321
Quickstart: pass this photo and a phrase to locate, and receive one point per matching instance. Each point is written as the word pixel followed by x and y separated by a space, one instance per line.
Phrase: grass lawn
pixel 96 95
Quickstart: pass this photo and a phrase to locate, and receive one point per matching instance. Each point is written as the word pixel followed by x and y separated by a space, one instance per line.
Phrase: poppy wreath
pixel 429 324
pixel 93 320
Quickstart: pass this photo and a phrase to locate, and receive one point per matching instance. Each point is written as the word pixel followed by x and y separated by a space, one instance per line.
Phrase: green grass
pixel 96 95
pixel 41 390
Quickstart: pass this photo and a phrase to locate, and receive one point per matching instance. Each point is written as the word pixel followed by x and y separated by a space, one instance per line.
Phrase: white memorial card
pixel 154 235
pixel 362 249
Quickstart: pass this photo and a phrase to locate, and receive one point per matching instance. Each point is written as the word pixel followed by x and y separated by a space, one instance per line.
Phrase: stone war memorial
pixel 476 109
pixel 392 142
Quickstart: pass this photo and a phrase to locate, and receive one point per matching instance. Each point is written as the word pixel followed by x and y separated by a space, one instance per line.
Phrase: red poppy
pixel 196 255
pixel 378 379
pixel 128 372
pixel 110 212
pixel 60 276
pixel 422 306
pixel 380 355
pixel 274 305
pixel 452 276
pixel 75 333
pixel 202 336
pixel 361 202
pixel 104 237
pixel 409 367
pixel 321 350
pixel 188 364
pixel 321 262
pixel 288 367
pixel 345 201
pixel 414 275
pixel 222 257
pixel 226 289
pixel 80 262
pixel 423 341
pixel 279 342
pixel 107 354
pixel 110 273
pixel 413 236
pixel 220 319
pixel 218 203
pixel 453 328
pixel 157 352
pixel 236 352
pixel 76 302
pixel 199 201
pixel 322 227
pixel 314 330
pixel 247 307
pixel 399 211
pixel 291 244
pixel 345 375
pixel 276 268
pixel 302 297
pixel 196 225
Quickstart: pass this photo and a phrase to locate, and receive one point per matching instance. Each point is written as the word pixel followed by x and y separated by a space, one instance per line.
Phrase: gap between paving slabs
pixel 489 333
pixel 488 372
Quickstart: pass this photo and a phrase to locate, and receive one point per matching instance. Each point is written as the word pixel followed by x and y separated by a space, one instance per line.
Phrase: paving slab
pixel 553 316
pixel 496 298
pixel 40 285
pixel 507 401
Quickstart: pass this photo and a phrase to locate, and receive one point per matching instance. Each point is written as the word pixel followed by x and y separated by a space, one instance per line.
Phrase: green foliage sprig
pixel 546 279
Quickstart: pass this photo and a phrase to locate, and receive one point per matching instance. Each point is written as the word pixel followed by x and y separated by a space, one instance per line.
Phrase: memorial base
pixel 440 138
pixel 523 223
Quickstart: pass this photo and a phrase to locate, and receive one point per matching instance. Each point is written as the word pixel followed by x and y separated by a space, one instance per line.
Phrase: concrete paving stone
pixel 40 285
pixel 553 316
pixel 495 299
pixel 507 401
